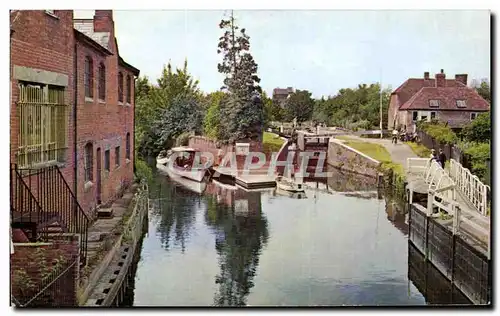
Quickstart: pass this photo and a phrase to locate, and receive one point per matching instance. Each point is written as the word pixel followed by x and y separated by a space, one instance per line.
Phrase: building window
pixel 433 115
pixel 415 116
pixel 120 87
pixel 473 116
pixel 129 89
pixel 127 146
pixel 102 82
pixel 461 104
pixel 106 160
pixel 434 103
pixel 89 162
pixel 117 156
pixel 89 78
pixel 42 124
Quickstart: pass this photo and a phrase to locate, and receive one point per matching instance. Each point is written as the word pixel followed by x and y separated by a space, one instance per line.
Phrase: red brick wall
pixel 105 125
pixel 26 259
pixel 43 42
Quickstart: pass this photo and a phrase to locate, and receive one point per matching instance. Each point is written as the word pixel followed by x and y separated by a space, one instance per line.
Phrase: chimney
pixel 461 78
pixel 441 79
pixel 426 75
pixel 103 21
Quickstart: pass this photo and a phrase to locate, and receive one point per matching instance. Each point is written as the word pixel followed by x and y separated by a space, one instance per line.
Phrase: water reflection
pixel 240 231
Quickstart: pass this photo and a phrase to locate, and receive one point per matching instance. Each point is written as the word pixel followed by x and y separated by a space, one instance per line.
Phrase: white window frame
pixel 434 103
pixel 461 107
pixel 435 115
pixel 475 116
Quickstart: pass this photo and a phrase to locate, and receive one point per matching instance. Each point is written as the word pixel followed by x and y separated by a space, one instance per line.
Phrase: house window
pixel 473 116
pixel 102 82
pixel 120 87
pixel 117 156
pixel 433 115
pixel 434 103
pixel 461 104
pixel 106 160
pixel 42 113
pixel 89 162
pixel 129 88
pixel 415 116
pixel 89 78
pixel 127 146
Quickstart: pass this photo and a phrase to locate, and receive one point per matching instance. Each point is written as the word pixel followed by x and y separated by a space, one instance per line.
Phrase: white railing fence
pixel 470 186
pixel 417 165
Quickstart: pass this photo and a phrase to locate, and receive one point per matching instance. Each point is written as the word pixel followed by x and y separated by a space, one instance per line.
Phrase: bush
pixel 439 131
pixel 479 130
pixel 478 155
pixel 142 171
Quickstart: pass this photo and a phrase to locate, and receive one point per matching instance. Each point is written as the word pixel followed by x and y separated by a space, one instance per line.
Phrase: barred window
pixel 129 88
pixel 120 87
pixel 127 146
pixel 89 162
pixel 117 156
pixel 89 77
pixel 42 124
pixel 102 82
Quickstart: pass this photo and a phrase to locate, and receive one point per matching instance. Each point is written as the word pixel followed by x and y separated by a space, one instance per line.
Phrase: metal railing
pixel 56 201
pixel 470 186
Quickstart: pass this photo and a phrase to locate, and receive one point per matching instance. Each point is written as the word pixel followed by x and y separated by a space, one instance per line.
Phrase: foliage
pixel 243 110
pixel 271 142
pixel 353 105
pixel 143 171
pixel 211 123
pixel 479 130
pixel 419 150
pixel 153 100
pixel 484 91
pixel 439 131
pixel 479 154
pixel 299 105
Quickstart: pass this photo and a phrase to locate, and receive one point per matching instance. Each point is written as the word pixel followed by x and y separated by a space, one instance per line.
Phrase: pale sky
pixel 320 51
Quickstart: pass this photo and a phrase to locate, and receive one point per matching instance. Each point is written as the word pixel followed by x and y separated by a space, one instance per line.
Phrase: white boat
pixel 293 195
pixel 289 185
pixel 169 163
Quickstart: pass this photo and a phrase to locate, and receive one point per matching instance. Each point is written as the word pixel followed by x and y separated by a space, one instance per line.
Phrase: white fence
pixel 470 186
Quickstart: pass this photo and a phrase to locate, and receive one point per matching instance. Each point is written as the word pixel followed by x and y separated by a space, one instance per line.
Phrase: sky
pixel 320 51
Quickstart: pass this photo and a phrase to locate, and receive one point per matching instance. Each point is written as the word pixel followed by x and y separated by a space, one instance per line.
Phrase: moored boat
pixel 179 161
pixel 289 185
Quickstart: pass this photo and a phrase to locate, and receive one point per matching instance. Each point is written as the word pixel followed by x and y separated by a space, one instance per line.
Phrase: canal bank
pixel 113 246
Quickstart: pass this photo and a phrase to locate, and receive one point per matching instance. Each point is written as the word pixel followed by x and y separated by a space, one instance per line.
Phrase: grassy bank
pixel 271 142
pixel 419 150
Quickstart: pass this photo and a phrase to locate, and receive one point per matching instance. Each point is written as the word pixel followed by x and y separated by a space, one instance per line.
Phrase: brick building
pixel 49 49
pixel 447 100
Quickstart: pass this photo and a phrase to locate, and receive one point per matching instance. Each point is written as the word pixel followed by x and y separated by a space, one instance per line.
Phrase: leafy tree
pixel 212 122
pixel 484 91
pixel 243 108
pixel 479 130
pixel 300 105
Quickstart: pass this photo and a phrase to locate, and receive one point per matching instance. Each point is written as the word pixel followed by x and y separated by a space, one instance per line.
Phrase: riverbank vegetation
pixel 419 149
pixel 271 142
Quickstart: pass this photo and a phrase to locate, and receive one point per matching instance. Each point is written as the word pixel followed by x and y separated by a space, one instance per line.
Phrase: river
pixel 230 247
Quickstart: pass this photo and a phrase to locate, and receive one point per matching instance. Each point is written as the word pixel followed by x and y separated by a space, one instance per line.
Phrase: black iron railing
pixel 25 211
pixel 58 210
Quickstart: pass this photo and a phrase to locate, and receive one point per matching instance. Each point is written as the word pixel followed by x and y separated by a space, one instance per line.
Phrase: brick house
pixel 71 122
pixel 280 95
pixel 447 100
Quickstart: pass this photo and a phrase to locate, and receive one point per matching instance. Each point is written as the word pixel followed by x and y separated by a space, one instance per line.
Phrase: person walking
pixel 442 158
pixel 433 156
pixel 395 134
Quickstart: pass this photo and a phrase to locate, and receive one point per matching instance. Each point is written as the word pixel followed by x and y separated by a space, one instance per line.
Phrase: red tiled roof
pixel 447 97
pixel 413 85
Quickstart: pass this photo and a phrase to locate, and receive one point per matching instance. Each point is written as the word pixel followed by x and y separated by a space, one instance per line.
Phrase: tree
pixel 484 91
pixel 479 130
pixel 212 121
pixel 243 108
pixel 300 105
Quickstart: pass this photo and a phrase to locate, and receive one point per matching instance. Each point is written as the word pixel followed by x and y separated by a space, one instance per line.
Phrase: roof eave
pixel 123 63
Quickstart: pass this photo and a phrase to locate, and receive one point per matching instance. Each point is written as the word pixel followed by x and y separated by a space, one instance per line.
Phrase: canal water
pixel 230 247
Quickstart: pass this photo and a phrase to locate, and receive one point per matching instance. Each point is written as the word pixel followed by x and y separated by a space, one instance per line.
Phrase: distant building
pixel 280 95
pixel 447 100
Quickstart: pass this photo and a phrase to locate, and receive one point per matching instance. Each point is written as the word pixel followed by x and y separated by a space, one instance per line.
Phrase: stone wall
pixel 346 158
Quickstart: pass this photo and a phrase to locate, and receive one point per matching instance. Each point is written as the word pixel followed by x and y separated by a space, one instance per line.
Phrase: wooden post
pixel 456 217
pixel 430 204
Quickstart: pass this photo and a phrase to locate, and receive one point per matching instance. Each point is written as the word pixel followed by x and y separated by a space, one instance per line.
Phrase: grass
pixel 419 150
pixel 272 142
